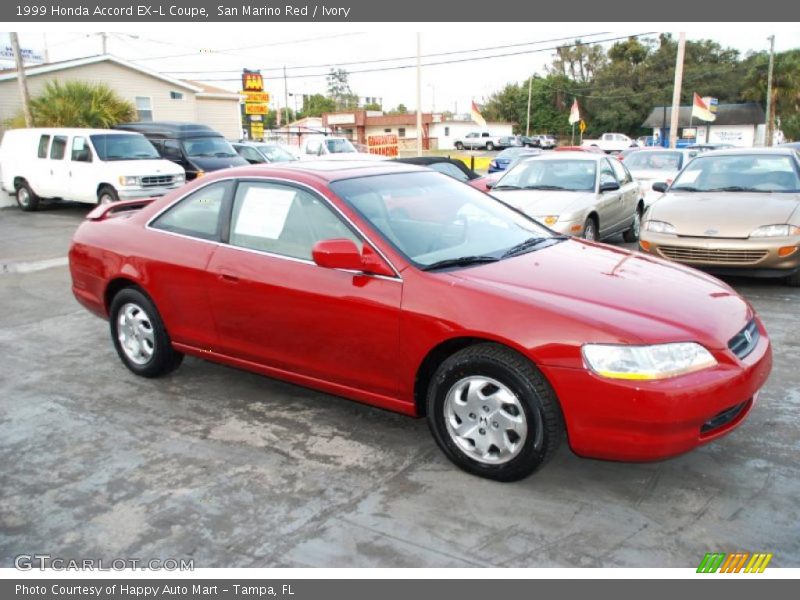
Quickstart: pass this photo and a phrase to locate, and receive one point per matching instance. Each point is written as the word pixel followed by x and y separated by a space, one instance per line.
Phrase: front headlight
pixel 128 180
pixel 179 178
pixel 548 219
pixel 776 231
pixel 659 227
pixel 660 361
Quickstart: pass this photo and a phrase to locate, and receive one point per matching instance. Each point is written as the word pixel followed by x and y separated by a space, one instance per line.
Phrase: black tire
pixel 489 146
pixel 163 357
pixel 26 199
pixel 540 408
pixel 793 280
pixel 632 234
pixel 459 146
pixel 107 194
pixel 590 230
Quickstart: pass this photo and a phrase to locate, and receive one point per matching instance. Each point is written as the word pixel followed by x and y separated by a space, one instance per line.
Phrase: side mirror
pixel 660 186
pixel 344 254
pixel 490 184
pixel 608 186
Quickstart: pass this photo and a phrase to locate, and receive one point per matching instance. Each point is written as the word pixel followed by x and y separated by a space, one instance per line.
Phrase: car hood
pixel 156 166
pixel 545 202
pixel 215 163
pixel 723 214
pixel 626 297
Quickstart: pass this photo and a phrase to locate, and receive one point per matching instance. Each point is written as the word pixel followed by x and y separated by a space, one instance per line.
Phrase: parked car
pixel 578 193
pixel 625 153
pixel 83 165
pixel 649 165
pixel 261 152
pixel 313 146
pixel 508 141
pixel 709 147
pixel 404 289
pixel 795 145
pixel 731 212
pixel 507 156
pixel 448 166
pixel 593 149
pixel 529 141
pixel 546 142
pixel 611 142
pixel 195 147
pixel 478 140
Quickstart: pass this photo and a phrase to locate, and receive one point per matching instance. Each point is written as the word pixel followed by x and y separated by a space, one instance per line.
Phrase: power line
pixel 443 62
pixel 381 60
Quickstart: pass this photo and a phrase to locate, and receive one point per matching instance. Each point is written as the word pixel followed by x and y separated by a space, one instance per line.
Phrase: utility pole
pixel 419 94
pixel 528 123
pixel 104 36
pixel 23 84
pixel 768 135
pixel 286 103
pixel 676 92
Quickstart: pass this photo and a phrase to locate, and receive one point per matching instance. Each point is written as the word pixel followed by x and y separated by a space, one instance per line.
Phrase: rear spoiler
pixel 105 210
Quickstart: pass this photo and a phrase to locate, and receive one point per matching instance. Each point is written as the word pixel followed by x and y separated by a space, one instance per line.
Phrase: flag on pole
pixel 700 110
pixel 574 113
pixel 476 115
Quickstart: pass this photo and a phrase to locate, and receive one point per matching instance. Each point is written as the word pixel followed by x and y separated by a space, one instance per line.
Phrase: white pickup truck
pixel 479 140
pixel 611 142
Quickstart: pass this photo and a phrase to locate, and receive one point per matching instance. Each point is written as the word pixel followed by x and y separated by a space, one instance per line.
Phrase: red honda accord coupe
pixel 402 288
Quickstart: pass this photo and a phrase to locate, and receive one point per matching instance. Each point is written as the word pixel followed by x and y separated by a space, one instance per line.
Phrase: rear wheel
pixel 26 199
pixel 107 195
pixel 139 335
pixel 489 146
pixel 493 413
pixel 632 234
pixel 459 146
pixel 590 230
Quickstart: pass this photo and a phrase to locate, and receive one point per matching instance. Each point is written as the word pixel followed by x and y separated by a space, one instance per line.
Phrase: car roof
pixel 171 128
pixel 74 131
pixel 325 171
pixel 570 154
pixel 779 151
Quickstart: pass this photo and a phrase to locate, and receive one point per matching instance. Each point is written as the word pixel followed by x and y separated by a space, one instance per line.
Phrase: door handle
pixel 228 277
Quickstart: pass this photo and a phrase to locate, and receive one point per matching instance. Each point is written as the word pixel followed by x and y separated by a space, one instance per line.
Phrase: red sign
pixel 252 82
pixel 383 145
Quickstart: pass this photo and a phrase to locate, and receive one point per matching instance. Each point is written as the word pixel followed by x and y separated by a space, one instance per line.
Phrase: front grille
pixel 156 180
pixel 744 342
pixel 723 418
pixel 712 255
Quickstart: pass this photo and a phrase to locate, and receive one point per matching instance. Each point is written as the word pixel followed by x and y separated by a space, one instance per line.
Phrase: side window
pixel 44 141
pixel 607 173
pixel 251 154
pixel 171 149
pixel 485 134
pixel 80 150
pixel 313 147
pixel 197 215
pixel 446 132
pixel 144 108
pixel 283 220
pixel 401 132
pixel 621 172
pixel 59 147
pixel 451 170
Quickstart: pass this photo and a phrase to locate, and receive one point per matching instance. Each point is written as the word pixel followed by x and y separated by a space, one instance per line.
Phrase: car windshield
pixel 573 175
pixel 275 153
pixel 654 160
pixel 739 173
pixel 212 147
pixel 434 220
pixel 121 146
pixel 337 146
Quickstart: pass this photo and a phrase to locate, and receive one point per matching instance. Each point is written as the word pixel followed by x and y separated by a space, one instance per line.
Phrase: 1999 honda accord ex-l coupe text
pixel 405 289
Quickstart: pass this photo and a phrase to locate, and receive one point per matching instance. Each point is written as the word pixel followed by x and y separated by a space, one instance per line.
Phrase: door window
pixel 607 174
pixel 198 214
pixel 80 150
pixel 59 146
pixel 44 141
pixel 622 174
pixel 283 220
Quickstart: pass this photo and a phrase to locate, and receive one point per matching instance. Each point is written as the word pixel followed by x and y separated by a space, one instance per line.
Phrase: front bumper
pixel 139 193
pixel 743 256
pixel 644 421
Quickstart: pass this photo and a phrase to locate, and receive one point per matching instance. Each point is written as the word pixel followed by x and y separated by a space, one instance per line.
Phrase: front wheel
pixel 493 413
pixel 107 195
pixel 489 146
pixel 26 199
pixel 139 335
pixel 589 230
pixel 459 146
pixel 632 234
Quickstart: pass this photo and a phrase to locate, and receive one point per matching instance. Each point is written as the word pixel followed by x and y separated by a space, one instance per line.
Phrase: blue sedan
pixel 502 160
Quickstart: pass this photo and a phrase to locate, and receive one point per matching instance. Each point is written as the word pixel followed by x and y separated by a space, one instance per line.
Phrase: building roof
pixel 211 91
pixel 745 113
pixel 54 67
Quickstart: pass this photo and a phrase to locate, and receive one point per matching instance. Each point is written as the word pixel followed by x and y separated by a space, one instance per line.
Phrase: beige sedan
pixel 581 194
pixel 731 212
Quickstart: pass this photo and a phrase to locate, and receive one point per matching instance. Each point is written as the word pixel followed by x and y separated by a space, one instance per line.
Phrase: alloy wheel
pixel 135 333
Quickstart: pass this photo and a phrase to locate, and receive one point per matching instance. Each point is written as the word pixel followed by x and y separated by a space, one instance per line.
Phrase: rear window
pixel 44 142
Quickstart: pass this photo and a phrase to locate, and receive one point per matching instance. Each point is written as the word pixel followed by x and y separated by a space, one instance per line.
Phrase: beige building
pixel 157 97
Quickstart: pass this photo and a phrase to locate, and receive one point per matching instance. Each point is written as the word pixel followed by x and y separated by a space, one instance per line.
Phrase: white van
pixel 86 165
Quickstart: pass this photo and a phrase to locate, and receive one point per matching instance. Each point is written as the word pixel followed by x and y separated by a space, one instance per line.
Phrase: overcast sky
pixel 216 53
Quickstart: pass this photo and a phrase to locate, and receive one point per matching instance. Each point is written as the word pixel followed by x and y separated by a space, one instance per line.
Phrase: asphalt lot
pixel 234 469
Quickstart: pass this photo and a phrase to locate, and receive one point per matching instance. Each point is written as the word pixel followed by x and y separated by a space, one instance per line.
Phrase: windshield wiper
pixel 461 261
pixel 506 187
pixel 687 188
pixel 224 155
pixel 544 187
pixel 530 244
pixel 736 188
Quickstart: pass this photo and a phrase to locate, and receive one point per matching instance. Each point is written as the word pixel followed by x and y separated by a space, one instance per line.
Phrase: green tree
pixel 785 99
pixel 79 104
pixel 400 109
pixel 316 104
pixel 339 90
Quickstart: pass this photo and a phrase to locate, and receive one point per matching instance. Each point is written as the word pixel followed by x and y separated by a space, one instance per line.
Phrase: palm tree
pixel 785 98
pixel 80 104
